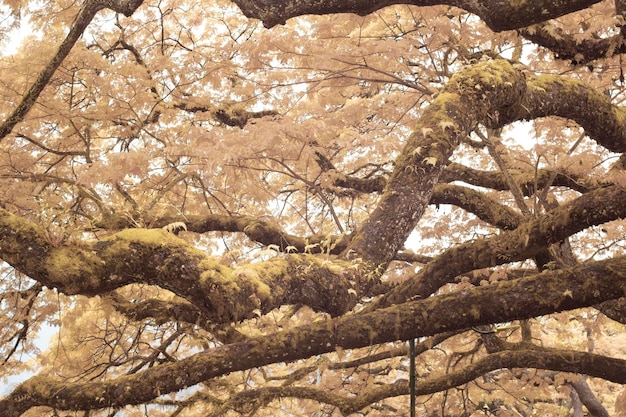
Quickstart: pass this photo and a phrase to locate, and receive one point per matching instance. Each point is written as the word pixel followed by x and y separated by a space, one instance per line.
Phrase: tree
pixel 248 207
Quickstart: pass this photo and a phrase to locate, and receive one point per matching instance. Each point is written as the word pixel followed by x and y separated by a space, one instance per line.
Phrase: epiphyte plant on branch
pixel 248 207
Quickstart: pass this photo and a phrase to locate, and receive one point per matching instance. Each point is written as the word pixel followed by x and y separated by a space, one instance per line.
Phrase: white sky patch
pixel 16 31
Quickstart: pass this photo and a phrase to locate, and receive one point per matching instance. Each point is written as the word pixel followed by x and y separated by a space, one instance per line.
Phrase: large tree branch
pixel 545 293
pixel 156 257
pixel 524 242
pixel 498 15
pixel 472 96
pixel 494 94
pixel 571 99
pixel 258 230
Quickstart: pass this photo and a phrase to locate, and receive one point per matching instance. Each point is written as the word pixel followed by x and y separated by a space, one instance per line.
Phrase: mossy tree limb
pixel 524 242
pixel 492 93
pixel 480 94
pixel 548 292
pixel 156 257
pixel 257 230
pixel 571 99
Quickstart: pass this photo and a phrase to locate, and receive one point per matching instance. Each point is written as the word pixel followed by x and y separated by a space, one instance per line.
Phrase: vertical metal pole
pixel 412 375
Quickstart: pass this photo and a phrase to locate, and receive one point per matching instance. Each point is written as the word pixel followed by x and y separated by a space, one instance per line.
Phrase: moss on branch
pixel 524 242
pixel 482 93
pixel 540 294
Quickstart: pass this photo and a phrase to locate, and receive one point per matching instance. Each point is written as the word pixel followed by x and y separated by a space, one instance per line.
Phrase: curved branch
pixel 488 179
pixel 486 209
pixel 156 257
pixel 548 359
pixel 524 242
pixel 526 181
pixel 571 99
pixel 269 234
pixel 567 47
pixel 541 294
pixel 498 15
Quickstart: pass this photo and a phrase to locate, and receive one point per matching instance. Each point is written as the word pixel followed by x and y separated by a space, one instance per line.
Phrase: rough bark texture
pixel 499 15
pixel 529 297
pixel 493 94
pixel 472 96
pixel 157 257
pixel 524 242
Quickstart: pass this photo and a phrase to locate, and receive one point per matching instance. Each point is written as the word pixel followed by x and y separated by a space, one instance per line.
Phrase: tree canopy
pixel 269 207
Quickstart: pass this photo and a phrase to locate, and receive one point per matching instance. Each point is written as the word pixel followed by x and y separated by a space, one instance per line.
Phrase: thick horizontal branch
pixel 541 294
pixel 528 182
pixel 260 231
pixel 549 359
pixel 156 257
pixel 499 15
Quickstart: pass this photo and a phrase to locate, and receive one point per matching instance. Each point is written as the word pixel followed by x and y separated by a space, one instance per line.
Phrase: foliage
pixel 248 207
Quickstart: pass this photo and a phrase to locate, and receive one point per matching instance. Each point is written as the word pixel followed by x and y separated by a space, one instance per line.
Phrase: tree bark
pixel 548 292
pixel 499 15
